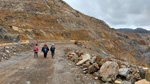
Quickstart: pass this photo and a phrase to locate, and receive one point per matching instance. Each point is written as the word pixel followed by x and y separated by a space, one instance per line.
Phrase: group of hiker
pixel 45 50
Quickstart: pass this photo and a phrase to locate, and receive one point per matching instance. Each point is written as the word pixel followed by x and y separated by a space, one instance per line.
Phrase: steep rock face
pixel 7 34
pixel 51 19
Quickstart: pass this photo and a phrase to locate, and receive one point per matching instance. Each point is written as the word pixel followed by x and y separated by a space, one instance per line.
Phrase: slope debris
pixel 107 70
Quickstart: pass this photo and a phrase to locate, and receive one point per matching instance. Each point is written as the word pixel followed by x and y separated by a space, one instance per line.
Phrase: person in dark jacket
pixel 45 50
pixel 52 50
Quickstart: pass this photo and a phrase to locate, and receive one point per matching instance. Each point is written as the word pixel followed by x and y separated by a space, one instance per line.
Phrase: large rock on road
pixel 109 71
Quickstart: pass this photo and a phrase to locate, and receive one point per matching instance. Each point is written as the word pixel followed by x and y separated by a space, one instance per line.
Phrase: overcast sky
pixel 116 13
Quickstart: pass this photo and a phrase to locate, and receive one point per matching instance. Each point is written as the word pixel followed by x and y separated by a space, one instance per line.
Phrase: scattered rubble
pixel 108 70
pixel 6 52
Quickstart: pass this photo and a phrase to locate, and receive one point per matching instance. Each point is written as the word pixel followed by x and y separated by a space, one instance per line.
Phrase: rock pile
pixel 108 70
pixel 6 52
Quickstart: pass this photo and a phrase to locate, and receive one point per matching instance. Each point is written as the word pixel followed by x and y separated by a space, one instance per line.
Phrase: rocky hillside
pixel 7 34
pixel 55 20
pixel 137 30
pixel 51 19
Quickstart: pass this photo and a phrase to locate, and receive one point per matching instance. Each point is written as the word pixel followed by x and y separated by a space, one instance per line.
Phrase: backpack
pixel 35 49
pixel 45 49
pixel 52 48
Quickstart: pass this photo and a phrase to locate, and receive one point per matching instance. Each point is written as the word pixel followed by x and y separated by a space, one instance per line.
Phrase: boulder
pixel 142 73
pixel 82 61
pixel 143 81
pixel 93 59
pixel 7 51
pixel 124 72
pixel 93 68
pixel 134 74
pixel 85 65
pixel 105 60
pixel 98 59
pixel 5 56
pixel 109 71
pixel 86 56
pixel 122 64
pixel 147 76
pixel 96 65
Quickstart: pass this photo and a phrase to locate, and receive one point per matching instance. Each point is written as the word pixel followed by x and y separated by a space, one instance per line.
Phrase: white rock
pixel 117 82
pixel 86 56
pixel 96 78
pixel 82 61
pixel 28 82
pixel 123 71
pixel 6 47
pixel 7 51
pixel 14 53
pixel 93 59
pixel 145 68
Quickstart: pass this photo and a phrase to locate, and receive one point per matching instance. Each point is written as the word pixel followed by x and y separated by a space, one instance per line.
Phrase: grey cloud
pixel 117 13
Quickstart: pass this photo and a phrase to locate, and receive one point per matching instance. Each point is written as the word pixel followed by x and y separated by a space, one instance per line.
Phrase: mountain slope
pixel 137 30
pixel 50 19
pixel 55 20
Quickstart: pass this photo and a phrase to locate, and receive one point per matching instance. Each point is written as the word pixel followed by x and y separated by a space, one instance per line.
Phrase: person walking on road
pixel 52 50
pixel 45 50
pixel 36 49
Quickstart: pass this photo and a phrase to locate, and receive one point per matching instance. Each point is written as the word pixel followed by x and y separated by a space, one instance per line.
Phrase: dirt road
pixel 24 69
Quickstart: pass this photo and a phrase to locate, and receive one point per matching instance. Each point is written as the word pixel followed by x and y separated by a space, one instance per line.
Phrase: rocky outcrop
pixel 7 34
